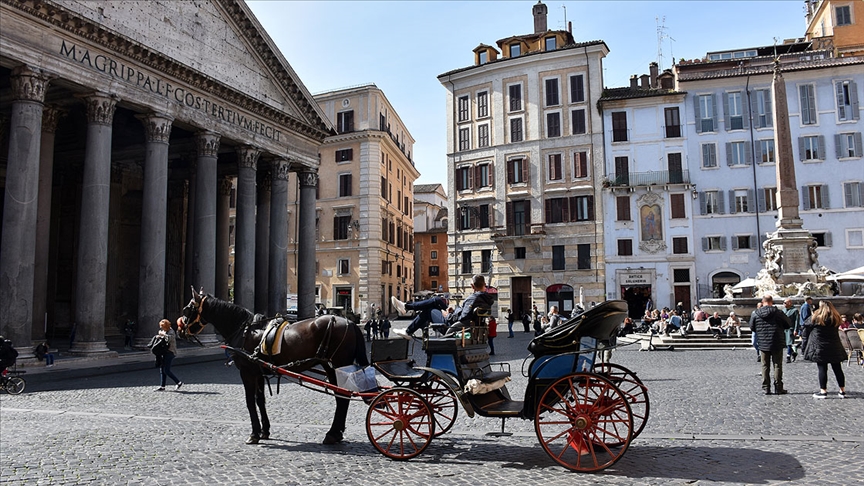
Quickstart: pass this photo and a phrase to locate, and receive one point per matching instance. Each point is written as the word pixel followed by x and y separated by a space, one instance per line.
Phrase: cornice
pixel 63 19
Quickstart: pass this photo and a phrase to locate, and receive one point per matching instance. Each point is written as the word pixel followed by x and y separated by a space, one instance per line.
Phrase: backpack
pixel 159 345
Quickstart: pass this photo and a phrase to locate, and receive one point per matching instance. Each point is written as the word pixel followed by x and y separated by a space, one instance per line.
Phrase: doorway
pixel 520 298
pixel 637 297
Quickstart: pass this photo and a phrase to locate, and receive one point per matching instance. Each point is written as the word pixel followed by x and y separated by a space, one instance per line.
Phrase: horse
pixel 329 341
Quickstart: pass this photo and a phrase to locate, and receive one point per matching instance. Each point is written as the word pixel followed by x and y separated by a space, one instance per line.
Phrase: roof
pixel 696 72
pixel 426 188
pixel 610 94
pixel 533 53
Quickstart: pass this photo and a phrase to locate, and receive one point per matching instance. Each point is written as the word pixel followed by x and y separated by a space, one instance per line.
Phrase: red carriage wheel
pixel 442 401
pixel 577 418
pixel 400 423
pixel 632 387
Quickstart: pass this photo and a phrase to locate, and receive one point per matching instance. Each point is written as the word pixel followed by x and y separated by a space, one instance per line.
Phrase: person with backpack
pixel 8 354
pixel 164 345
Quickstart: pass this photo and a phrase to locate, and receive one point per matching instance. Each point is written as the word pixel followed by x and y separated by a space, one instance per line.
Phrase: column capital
pixel 247 157
pixel 225 186
pixel 207 143
pixel 157 126
pixel 100 107
pixel 308 178
pixel 50 116
pixel 279 169
pixel 29 84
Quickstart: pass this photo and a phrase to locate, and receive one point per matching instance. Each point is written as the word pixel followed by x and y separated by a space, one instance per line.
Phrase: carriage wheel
pixel 633 389
pixel 15 385
pixel 443 403
pixel 400 423
pixel 577 419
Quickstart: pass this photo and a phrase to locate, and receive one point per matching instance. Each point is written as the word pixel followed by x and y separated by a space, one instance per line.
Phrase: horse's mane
pixel 226 312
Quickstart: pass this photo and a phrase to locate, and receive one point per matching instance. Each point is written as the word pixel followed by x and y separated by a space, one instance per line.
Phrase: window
pixel 464 108
pixel 434 238
pixel 807 101
pixel 464 139
pixel 812 147
pixel 848 145
pixel 485 261
pixel 737 153
pixel 483 135
pixel 681 275
pixel 742 242
pixel 709 155
pixel 344 185
pixel 714 243
pixel 673 122
pixel 515 50
pixel 711 202
pixel 622 207
pixel 855 238
pixel 515 130
pixel 517 171
pixel 518 218
pixel 740 201
pixel 345 121
pixel 582 207
pixel 768 201
pixel 676 171
pixel 679 245
pixel 705 113
pixel 483 175
pixel 847 100
pixel 482 58
pixel 434 271
pixel 433 255
pixel 485 216
pixel 553 125
pixel 555 170
pixel 842 16
pixel 558 257
pixel 619 126
pixel 580 164
pixel 852 193
pixel 340 227
pixel 515 97
pixel 765 151
pixel 557 210
pixel 552 92
pixel 577 88
pixel 482 104
pixel 578 124
pixel 583 256
pixel 343 266
pixel 763 114
pixel 622 171
pixel 519 252
pixel 466 262
pixel 344 155
pixel 464 176
pixel 676 202
pixel 625 247
pixel 815 197
pixel 550 43
pixel 822 239
pixel 734 112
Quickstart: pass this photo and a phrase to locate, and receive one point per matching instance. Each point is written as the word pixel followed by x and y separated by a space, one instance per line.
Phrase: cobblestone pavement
pixel 709 422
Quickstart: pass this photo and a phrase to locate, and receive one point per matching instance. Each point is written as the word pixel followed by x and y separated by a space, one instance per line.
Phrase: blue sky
pixel 402 46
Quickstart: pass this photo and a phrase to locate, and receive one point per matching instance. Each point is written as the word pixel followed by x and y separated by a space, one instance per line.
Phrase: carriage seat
pixel 476 362
pixel 390 357
pixel 399 370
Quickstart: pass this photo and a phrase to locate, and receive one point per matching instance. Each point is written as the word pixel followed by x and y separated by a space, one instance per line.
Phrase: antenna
pixel 565 15
pixel 661 34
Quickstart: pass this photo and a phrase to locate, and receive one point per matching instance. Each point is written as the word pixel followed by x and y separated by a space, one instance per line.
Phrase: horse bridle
pixel 201 325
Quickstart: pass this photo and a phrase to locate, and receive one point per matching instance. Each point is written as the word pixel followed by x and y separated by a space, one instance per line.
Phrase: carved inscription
pixel 795 259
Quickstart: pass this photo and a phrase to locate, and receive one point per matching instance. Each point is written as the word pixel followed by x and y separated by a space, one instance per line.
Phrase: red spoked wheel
pixel 633 388
pixel 400 423
pixel 577 419
pixel 442 401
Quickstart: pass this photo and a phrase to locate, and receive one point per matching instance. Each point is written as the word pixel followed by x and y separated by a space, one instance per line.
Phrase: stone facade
pixel 430 238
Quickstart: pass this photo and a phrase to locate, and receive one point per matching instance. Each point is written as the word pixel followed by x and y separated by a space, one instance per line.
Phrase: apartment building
pixel 430 239
pixel 525 147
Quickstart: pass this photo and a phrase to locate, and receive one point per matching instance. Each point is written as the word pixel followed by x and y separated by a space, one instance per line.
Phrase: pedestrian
pixel 753 333
pixel 493 333
pixel 384 328
pixel 715 325
pixel 858 320
pixel 43 353
pixel 376 323
pixel 792 314
pixel 553 320
pixel 526 322
pixel 844 322
pixel 368 329
pixel 536 321
pixel 805 315
pixel 129 333
pixel 733 322
pixel 423 316
pixel 769 324
pixel 824 347
pixel 510 319
pixel 165 368
pixel 605 347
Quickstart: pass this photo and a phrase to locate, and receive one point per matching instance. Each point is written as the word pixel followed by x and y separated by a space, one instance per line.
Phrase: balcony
pixel 673 131
pixel 658 177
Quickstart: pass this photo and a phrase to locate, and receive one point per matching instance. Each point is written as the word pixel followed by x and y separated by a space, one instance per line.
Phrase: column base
pixel 90 348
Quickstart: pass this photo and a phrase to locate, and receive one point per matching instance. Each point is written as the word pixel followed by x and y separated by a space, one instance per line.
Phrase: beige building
pixel 430 238
pixel 363 213
pixel 524 164
pixel 836 25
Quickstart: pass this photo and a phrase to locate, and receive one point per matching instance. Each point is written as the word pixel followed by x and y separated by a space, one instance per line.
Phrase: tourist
pixel 464 316
pixel 553 320
pixel 510 319
pixel 715 325
pixel 858 321
pixel 769 324
pixel 43 353
pixel 626 327
pixel 824 347
pixel 493 333
pixel 792 314
pixel 423 318
pixel 753 334
pixel 804 316
pixel 844 322
pixel 165 368
pixel 733 322
pixel 675 322
pixel 526 322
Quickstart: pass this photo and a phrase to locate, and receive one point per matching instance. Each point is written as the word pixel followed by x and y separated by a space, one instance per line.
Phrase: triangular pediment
pixel 220 39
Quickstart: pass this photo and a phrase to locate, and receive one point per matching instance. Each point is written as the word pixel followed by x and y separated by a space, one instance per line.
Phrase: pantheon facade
pixel 122 124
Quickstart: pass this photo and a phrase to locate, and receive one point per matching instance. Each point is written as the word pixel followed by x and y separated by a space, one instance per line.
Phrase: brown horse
pixel 329 341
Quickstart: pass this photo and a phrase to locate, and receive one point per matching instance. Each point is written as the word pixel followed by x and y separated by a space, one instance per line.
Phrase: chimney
pixel 643 81
pixel 540 12
pixel 634 82
pixel 653 71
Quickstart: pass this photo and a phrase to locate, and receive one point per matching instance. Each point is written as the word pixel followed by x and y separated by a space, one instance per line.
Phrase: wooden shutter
pixel 713 113
pixel 849 194
pixel 841 101
pixel 623 208
pixel 748 154
pixel 859 150
pixel 769 109
pixel 723 243
pixel 853 102
pixel 757 152
pixel 805 197
pixel 703 203
pixel 548 204
pixel 470 171
pixel 838 145
pixel 821 143
pixel 732 203
pixel 734 242
pixel 335 227
pixel 802 149
pixel 760 200
pixel 490 174
pixel 509 216
pixel 697 114
pixel 825 199
pixel 721 209
pixel 750 200
pixel 729 153
pixel 827 238
pixel 478 176
pixel 754 108
pixel 590 208
pixel 727 120
pixel 704 244
pixel 525 171
pixel 510 174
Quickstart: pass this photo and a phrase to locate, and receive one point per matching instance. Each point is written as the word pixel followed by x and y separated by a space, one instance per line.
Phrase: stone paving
pixel 708 422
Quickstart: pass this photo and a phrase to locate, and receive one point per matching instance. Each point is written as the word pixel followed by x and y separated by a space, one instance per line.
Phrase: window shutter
pixel 510 174
pixel 762 239
pixel 760 200
pixel 478 176
pixel 825 199
pixel 548 204
pixel 732 202
pixel 704 244
pixel 491 216
pixel 734 242
pixel 838 145
pixel 703 203
pixel 590 208
pixel 525 171
pixel 509 222
pixel 697 114
pixel 568 209
pixel 729 153
pixel 750 199
pixel 841 101
pixel 805 198
pixel 721 208
pixel 757 151
pixel 821 141
pixel 853 100
pixel 714 113
pixel 336 227
pixel 859 150
pixel 754 107
pixel 811 98
pixel 726 119
pixel 769 110
pixel 748 154
pixel 802 104
pixel 491 174
pixel 745 118
pixel 723 243
pixel 470 177
pixel 801 149
pixel 827 238
pixel 848 194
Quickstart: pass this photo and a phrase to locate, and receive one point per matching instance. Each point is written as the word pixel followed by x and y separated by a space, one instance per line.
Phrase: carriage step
pixel 504 408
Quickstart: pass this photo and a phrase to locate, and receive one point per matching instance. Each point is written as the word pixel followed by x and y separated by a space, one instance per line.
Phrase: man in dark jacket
pixel 462 316
pixel 770 323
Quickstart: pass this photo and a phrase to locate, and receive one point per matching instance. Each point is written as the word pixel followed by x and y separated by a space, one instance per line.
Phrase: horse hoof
pixel 265 435
pixel 331 439
pixel 253 439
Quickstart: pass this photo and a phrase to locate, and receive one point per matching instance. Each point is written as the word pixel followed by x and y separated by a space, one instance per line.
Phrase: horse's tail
pixel 359 346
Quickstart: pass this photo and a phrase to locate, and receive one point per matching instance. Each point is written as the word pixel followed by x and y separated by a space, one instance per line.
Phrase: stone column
pixel 92 264
pixel 244 228
pixel 18 245
pixel 50 116
pixel 277 280
pixel 306 245
pixel 189 240
pixel 262 245
pixel 223 222
pixel 204 259
pixel 151 264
